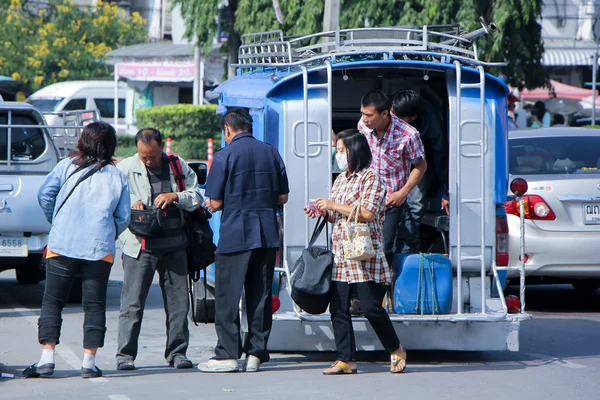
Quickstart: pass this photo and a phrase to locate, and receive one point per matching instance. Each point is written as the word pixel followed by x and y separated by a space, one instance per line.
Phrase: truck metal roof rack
pixel 441 43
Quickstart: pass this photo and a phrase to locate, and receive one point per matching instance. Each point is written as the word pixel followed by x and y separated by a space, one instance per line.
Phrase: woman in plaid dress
pixel 358 185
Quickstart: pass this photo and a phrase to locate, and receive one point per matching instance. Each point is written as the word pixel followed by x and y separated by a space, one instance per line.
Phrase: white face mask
pixel 342 161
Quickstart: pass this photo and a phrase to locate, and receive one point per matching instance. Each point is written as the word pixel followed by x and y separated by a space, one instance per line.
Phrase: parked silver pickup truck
pixel 28 152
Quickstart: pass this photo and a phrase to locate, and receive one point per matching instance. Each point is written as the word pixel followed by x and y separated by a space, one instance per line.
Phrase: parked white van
pixel 82 95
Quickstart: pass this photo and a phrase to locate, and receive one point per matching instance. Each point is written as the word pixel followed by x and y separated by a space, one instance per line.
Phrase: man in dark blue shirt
pixel 248 182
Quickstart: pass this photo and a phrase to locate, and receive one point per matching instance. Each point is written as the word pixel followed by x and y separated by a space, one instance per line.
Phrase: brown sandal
pixel 339 368
pixel 398 360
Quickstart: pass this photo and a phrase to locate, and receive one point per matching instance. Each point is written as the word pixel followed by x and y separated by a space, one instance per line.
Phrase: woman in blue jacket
pixel 86 199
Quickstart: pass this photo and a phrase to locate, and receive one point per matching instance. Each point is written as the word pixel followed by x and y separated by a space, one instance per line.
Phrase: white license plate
pixel 13 246
pixel 591 213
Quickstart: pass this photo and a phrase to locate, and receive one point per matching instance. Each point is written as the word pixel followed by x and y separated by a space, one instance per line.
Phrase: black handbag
pixel 147 222
pixel 311 279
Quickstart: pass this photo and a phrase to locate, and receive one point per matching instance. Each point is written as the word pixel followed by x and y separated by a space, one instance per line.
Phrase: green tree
pixel 518 42
pixel 62 41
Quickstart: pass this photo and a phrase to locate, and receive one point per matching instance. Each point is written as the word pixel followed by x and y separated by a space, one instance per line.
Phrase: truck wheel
pixel 587 285
pixel 31 272
pixel 204 305
pixel 76 293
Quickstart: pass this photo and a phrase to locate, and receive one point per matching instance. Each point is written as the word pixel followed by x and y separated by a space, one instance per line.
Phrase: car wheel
pixel 588 285
pixel 31 272
pixel 76 293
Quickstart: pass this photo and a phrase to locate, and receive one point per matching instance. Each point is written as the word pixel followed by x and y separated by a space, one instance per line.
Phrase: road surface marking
pixel 98 380
pixel 557 360
pixel 63 350
pixel 118 397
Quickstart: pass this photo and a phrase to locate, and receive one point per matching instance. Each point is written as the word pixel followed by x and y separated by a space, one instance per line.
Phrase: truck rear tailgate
pixel 20 212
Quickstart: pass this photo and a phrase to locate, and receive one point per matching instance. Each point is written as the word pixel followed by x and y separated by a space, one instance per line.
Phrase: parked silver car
pixel 562 205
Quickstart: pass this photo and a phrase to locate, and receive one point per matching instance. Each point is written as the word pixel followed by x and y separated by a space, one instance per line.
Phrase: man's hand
pixel 138 205
pixel 213 205
pixel 396 199
pixel 446 206
pixel 164 199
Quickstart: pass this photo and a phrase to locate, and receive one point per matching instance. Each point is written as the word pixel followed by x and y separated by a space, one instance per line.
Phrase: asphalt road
pixel 559 358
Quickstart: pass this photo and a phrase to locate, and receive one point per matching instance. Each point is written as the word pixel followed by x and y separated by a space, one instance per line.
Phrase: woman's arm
pixel 323 205
pixel 122 212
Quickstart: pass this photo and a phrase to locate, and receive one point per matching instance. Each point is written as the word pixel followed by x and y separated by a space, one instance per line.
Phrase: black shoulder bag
pixel 311 278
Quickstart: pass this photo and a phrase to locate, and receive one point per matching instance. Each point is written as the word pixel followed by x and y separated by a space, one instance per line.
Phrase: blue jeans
pixel 60 275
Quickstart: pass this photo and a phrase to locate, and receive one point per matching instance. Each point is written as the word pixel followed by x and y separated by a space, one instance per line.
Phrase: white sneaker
pixel 252 363
pixel 213 365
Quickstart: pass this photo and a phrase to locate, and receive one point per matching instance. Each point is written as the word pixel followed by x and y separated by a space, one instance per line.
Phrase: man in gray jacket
pixel 152 184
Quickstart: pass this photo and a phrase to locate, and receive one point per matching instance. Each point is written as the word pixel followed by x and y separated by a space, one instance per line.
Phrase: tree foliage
pixel 518 41
pixel 61 41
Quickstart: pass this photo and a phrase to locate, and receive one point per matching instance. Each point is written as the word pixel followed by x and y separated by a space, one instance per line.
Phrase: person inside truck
pixel 396 148
pixel 88 177
pixel 410 107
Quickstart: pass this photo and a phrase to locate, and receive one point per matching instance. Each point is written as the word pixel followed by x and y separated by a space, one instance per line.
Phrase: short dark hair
pixel 559 119
pixel 406 103
pixel 148 135
pixel 541 106
pixel 357 147
pixel 238 119
pixel 96 144
pixel 378 99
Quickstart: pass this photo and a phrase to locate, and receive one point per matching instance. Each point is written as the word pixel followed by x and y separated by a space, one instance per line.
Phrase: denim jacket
pixel 87 225
pixel 139 185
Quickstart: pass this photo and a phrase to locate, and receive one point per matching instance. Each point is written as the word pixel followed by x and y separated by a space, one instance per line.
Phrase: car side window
pixel 75 104
pixel 107 107
pixel 27 144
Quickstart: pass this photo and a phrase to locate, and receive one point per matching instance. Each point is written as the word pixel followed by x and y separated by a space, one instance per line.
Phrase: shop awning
pixel 558 90
pixel 568 57
pixel 560 53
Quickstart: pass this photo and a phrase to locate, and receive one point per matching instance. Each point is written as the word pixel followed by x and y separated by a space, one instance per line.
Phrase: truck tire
pixel 203 309
pixel 31 272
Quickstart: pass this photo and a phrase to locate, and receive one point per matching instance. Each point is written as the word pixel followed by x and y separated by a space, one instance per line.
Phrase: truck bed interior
pixel 348 88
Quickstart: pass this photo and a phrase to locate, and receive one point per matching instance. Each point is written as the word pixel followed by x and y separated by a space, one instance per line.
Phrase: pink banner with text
pixel 156 72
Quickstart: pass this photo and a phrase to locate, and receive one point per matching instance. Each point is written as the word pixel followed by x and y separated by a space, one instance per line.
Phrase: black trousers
pixel 397 221
pixel 253 271
pixel 60 275
pixel 370 295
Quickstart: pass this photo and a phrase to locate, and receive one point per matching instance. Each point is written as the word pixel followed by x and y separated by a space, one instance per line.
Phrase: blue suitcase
pixel 423 284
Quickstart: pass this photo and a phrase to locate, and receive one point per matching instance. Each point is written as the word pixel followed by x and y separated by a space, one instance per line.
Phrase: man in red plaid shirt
pixel 396 147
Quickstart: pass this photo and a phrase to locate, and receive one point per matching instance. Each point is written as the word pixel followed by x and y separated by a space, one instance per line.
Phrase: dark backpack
pixel 201 248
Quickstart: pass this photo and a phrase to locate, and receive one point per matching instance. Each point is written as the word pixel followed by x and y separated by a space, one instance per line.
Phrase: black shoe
pixel 91 373
pixel 355 307
pixel 35 372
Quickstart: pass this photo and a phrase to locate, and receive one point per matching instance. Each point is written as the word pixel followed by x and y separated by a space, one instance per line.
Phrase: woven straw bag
pixel 358 244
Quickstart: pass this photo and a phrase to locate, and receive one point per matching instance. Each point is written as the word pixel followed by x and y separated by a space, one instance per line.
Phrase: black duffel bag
pixel 311 279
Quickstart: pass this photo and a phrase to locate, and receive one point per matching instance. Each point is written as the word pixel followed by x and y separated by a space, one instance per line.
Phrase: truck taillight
pixel 275 304
pixel 501 240
pixel 536 208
